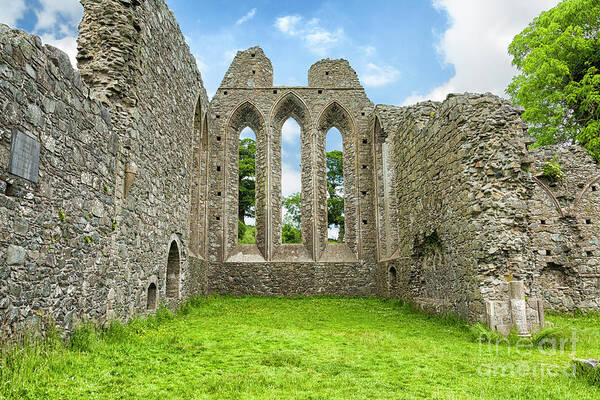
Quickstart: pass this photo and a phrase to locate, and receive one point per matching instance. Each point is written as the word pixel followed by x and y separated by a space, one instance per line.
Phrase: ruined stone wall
pixel 149 78
pixel 462 216
pixel 565 215
pixel 55 245
pixel 334 98
pixel 293 278
pixel 117 207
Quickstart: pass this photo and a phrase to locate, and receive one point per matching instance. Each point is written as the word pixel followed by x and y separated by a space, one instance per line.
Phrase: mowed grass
pixel 300 348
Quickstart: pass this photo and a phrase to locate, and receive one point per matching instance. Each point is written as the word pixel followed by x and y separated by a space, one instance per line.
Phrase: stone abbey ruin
pixel 118 187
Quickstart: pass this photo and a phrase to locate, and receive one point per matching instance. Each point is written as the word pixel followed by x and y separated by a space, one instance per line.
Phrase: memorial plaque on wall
pixel 24 156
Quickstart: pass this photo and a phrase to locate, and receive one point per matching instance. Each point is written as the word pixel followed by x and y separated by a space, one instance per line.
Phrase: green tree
pixel 292 205
pixel 247 179
pixel 558 56
pixel 291 232
pixel 335 190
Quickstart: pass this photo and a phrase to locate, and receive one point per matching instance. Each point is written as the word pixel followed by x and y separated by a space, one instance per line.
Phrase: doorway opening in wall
pixel 335 186
pixel 173 271
pixel 291 183
pixel 152 297
pixel 247 187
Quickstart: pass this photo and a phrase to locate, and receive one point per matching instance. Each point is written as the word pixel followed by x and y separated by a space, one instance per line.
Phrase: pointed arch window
pixel 335 185
pixel 247 187
pixel 290 119
pixel 245 178
pixel 337 216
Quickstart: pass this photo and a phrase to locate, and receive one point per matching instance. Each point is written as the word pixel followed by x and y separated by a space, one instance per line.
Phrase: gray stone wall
pixel 292 278
pixel 56 241
pixel 565 215
pixel 119 198
pixel 460 190
pixel 150 80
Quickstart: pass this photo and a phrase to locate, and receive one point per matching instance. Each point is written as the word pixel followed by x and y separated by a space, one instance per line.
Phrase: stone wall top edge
pixel 37 41
pixel 584 159
pixel 450 98
pixel 60 59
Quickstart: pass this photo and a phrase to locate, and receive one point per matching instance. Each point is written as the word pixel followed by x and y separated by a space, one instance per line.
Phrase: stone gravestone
pixel 24 156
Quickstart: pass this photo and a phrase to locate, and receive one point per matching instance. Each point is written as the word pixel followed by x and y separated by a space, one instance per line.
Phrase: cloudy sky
pixel 404 51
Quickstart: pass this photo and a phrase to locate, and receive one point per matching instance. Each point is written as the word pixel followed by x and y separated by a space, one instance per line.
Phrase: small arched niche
pixel 151 297
pixel 392 282
pixel 173 271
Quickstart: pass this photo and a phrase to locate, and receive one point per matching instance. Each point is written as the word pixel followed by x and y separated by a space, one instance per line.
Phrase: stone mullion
pixel 230 192
pixel 262 193
pixel 307 209
pixel 268 185
pixel 321 183
pixel 316 195
pixel 351 207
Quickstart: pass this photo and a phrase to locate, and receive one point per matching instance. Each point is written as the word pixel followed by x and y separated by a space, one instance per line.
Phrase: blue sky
pixel 294 35
pixel 404 51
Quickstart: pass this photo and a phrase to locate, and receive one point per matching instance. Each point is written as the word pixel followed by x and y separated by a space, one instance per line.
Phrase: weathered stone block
pixel 15 255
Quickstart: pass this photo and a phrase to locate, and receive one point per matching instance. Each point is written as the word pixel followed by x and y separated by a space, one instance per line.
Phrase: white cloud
pixel 48 15
pixel 288 24
pixel 368 50
pixel 11 12
pixel 316 38
pixel 67 44
pixel 290 131
pixel 290 180
pixel 477 41
pixel 57 24
pixel 322 38
pixel 379 76
pixel 246 17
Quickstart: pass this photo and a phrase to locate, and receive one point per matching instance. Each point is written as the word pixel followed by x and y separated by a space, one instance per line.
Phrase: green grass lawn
pixel 305 348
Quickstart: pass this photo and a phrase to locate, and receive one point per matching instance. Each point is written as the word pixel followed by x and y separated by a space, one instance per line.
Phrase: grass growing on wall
pixel 304 348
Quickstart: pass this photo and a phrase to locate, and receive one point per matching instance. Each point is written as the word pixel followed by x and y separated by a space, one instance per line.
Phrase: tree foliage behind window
pixel 247 179
pixel 291 232
pixel 335 190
